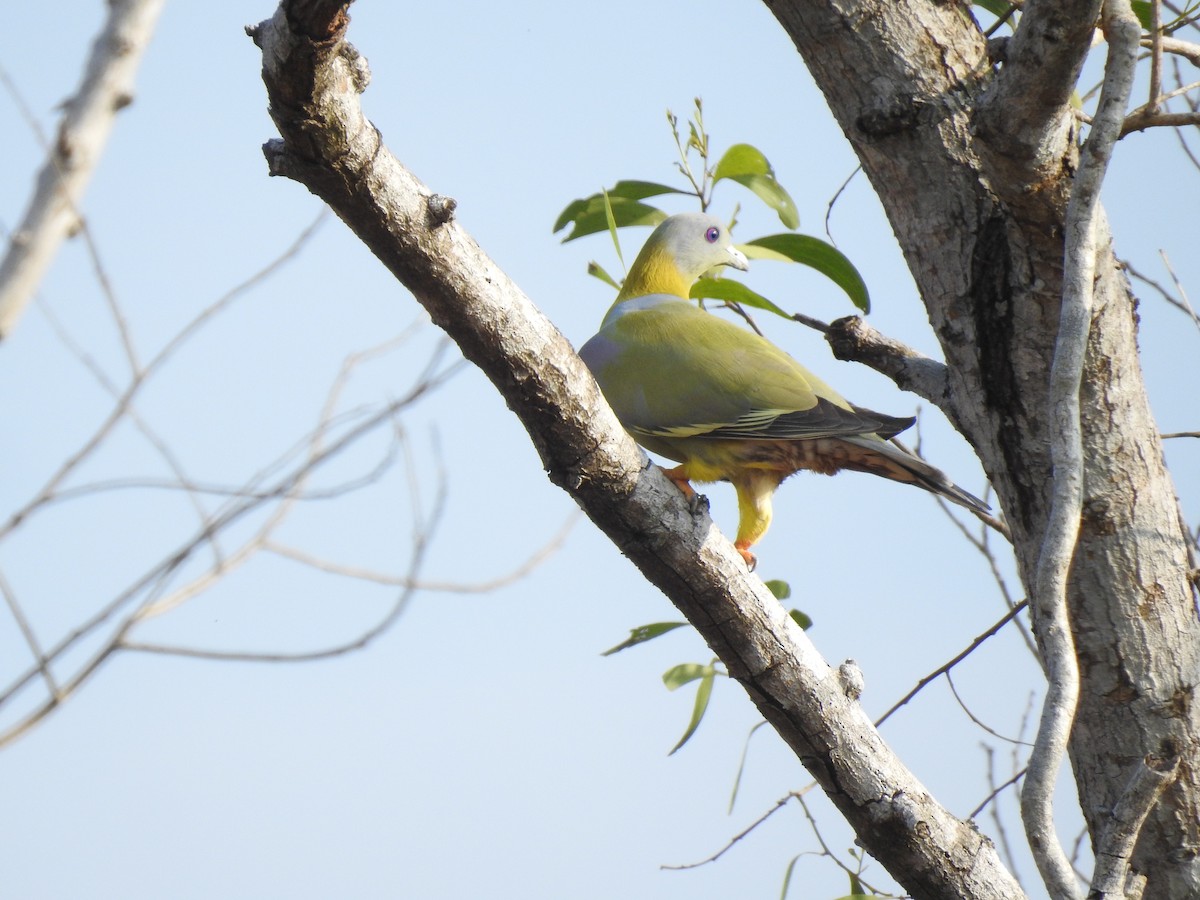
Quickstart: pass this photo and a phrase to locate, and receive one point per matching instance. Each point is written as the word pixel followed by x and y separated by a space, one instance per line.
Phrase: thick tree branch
pixel 983 233
pixel 1066 453
pixel 1023 115
pixel 53 211
pixel 330 147
pixel 852 338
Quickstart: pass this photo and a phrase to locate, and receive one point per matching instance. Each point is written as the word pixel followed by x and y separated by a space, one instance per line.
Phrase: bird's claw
pixel 750 558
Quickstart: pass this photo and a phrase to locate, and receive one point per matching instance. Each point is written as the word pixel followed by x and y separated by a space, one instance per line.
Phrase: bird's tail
pixel 893 461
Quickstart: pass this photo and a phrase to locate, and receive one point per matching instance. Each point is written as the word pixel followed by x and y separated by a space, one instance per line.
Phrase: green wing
pixel 671 370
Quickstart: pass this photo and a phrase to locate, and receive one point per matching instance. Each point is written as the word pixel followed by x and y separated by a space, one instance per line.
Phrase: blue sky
pixel 482 746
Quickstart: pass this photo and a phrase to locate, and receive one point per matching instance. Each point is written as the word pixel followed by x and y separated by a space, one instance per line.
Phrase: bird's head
pixel 678 251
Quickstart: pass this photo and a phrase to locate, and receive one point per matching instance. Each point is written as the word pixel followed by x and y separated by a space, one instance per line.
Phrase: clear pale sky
pixel 481 747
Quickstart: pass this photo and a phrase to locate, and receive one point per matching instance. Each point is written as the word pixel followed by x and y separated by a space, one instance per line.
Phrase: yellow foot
pixel 750 558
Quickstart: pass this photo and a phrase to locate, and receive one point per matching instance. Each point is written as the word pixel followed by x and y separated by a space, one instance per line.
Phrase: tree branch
pixel 852 339
pixel 329 147
pixel 1023 112
pixel 53 211
pixel 1066 452
pixel 1149 777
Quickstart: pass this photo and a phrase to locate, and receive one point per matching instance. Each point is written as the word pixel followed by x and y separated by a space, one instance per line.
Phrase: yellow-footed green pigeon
pixel 723 402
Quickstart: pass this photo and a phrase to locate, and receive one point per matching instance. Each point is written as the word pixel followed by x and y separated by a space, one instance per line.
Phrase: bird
pixel 725 403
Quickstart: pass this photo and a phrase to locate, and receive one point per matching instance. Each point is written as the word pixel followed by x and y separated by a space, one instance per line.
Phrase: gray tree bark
pixel 973 162
pixel 974 167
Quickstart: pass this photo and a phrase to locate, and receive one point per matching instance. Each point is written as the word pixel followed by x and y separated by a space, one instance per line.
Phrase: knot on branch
pixel 440 209
pixel 360 72
pixel 850 677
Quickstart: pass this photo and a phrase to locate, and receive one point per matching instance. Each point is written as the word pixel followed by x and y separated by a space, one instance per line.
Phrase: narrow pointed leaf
pixel 703 693
pixel 643 633
pixel 639 190
pixel 737 780
pixel 732 292
pixel 611 222
pixel 623 193
pixel 597 271
pixel 823 257
pixel 677 676
pixel 588 216
pixel 787 877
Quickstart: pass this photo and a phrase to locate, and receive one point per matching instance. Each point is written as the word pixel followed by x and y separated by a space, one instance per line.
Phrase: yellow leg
pixel 754 490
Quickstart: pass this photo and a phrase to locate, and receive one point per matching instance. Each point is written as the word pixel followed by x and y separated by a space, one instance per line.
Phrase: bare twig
pixel 834 199
pixel 946 667
pixel 974 718
pixel 53 211
pixel 825 851
pixel 151 586
pixel 996 792
pixel 997 822
pixel 983 545
pixel 779 804
pixel 531 563
pixel 410 585
pixel 35 647
pixel 1066 453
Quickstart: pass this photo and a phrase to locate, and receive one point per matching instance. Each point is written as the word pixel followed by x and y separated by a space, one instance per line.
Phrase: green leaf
pixel 611 223
pixel 1141 9
pixel 643 633
pixel 597 271
pixel 800 619
pixel 787 876
pixel 703 693
pixel 815 254
pixel 748 166
pixel 732 292
pixel 856 890
pixel 742 159
pixel 624 196
pixel 781 589
pixel 774 195
pixel 589 215
pixel 677 676
pixel 1000 8
pixel 737 781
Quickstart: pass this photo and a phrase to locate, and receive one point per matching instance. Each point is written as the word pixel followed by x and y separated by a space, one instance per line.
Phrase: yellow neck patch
pixel 654 272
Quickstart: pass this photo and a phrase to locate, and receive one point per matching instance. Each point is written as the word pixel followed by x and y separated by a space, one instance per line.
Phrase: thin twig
pixel 779 804
pixel 999 789
pixel 35 647
pixel 946 667
pixel 520 572
pixel 997 822
pixel 974 718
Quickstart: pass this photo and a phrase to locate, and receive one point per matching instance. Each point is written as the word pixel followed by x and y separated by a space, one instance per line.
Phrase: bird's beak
pixel 738 260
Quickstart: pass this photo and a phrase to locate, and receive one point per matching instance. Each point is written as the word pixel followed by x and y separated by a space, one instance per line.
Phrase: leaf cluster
pixel 624 205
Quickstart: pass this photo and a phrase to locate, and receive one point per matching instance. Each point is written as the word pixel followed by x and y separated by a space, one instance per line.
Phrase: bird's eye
pixel 712 234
